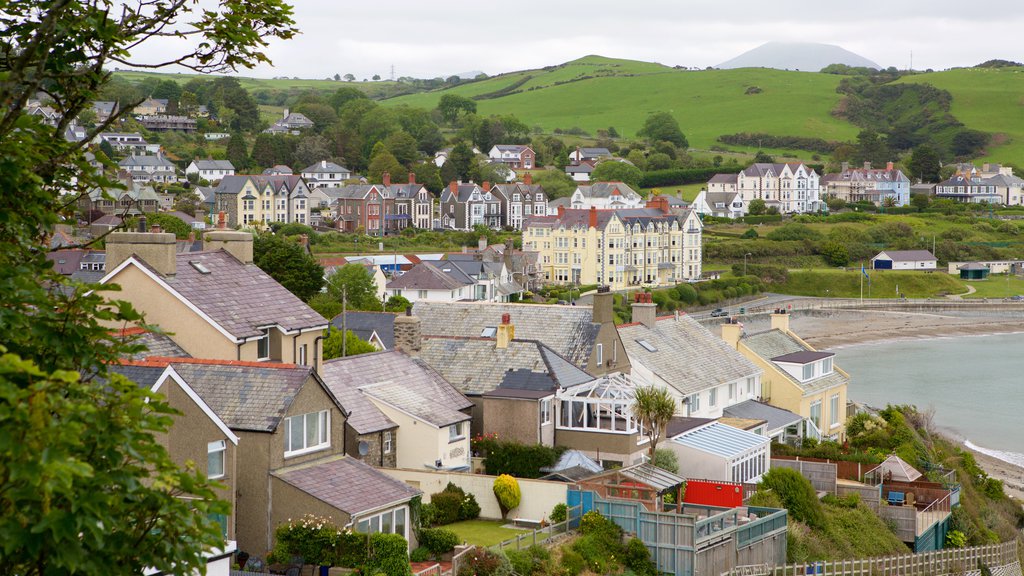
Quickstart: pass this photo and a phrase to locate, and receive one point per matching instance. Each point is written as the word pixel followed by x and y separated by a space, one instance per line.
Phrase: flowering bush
pixel 314 538
pixel 483 562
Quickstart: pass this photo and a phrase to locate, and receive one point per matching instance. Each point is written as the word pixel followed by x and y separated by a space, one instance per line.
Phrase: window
pixel 750 385
pixel 306 433
pixel 712 397
pixel 833 410
pixel 826 366
pixel 390 522
pixel 455 432
pixel 387 442
pixel 694 403
pixel 732 390
pixel 545 411
pixel 263 346
pixel 215 459
pixel 600 354
pixel 816 413
pixel 808 371
pixel 302 355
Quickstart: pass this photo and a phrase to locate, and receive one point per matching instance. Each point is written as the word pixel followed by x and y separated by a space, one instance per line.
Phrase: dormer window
pixel 263 346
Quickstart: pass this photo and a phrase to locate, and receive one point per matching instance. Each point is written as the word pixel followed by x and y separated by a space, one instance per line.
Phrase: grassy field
pixel 834 283
pixel 482 532
pixel 997 286
pixel 688 191
pixel 621 93
pixel 373 89
pixel 988 99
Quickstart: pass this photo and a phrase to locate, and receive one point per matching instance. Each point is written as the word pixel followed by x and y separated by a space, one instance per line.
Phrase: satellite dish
pixel 364 448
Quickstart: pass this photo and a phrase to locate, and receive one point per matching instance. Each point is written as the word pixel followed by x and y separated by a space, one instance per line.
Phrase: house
pixel 131 200
pixel 494 282
pixel 150 168
pixel 359 207
pixel 413 204
pixel 377 328
pixel 780 426
pixel 216 303
pixel 1009 187
pixel 211 170
pixel 436 281
pixel 254 200
pixel 325 174
pixel 712 450
pixel 973 189
pixel 880 187
pixel 519 271
pixel 132 142
pixel 904 260
pixel 720 204
pixel 441 156
pixel 514 156
pixel 290 123
pixel 151 106
pixel 168 123
pixel 593 155
pixel 104 109
pixel 579 172
pixel 198 437
pixel 278 170
pixel 621 248
pixel 432 416
pixel 791 187
pixel 796 377
pixel 703 374
pixel 522 200
pixel 464 206
pixel 216 135
pixel 605 195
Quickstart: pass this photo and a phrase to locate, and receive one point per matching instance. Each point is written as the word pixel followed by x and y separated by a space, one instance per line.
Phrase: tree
pixel 107 148
pixel 506 490
pixel 451 105
pixel 763 158
pixel 84 489
pixel 835 253
pixel 310 150
pixel 288 263
pixel 403 147
pixel 376 77
pixel 924 164
pixel 614 171
pixel 653 407
pixel 345 95
pixel 357 285
pixel 797 495
pixel 397 304
pixel 871 147
pixel 667 460
pixel 461 160
pixel 322 115
pixel 237 153
pixel 353 345
pixel 756 207
pixel 384 162
pixel 337 77
pixel 662 126
pixel 350 78
pixel 168 90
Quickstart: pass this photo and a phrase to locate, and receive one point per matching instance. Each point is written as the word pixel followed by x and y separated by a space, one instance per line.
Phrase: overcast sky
pixel 426 39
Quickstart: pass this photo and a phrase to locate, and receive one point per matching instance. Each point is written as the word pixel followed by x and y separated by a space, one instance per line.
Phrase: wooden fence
pixel 543 534
pixel 938 563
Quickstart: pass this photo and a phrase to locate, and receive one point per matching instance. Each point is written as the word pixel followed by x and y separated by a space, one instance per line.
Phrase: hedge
pixel 676 176
pixel 388 555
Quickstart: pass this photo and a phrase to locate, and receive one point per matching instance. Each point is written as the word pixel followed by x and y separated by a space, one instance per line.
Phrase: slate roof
pixel 569 331
pixel 347 484
pixel 365 324
pixel 364 416
pixel 605 190
pixel 724 179
pixel 774 343
pixel 144 376
pixel 239 297
pixel 66 262
pixel 324 167
pixel 681 424
pixel 579 169
pixel 159 345
pixel 802 357
pixel 244 396
pixel 777 418
pixel 594 152
pixel 139 161
pixel 907 255
pixel 520 148
pixel 477 366
pixel 278 169
pixel 688 356
pixel 405 383
pixel 214 164
pixel 431 276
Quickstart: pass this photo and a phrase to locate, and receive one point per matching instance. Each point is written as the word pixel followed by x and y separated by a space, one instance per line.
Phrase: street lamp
pixel 745 263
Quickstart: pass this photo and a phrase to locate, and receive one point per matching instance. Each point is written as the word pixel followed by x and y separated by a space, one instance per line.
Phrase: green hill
pixel 595 92
pixel 987 99
pixel 380 89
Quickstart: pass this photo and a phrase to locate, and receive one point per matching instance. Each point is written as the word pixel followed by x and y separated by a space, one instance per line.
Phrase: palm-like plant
pixel 653 407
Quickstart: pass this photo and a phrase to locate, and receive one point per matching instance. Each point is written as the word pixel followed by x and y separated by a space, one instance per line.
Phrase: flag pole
pixel 862 282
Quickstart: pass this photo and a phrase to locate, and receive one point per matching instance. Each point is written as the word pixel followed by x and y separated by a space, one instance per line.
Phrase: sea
pixel 974 383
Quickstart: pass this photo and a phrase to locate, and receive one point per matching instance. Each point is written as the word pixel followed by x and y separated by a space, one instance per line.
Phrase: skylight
pixel 647 345
pixel 489 332
pixel 202 269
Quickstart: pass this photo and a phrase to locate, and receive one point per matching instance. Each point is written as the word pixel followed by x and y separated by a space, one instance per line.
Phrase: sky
pixel 426 39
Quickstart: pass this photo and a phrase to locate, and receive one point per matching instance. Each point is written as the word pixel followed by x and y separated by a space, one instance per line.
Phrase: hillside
pixel 988 99
pixel 808 56
pixel 595 92
pixel 380 89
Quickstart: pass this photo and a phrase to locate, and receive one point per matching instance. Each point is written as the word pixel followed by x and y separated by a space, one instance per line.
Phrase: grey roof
pixel 364 416
pixel 652 476
pixel 244 396
pixel 511 147
pixel 907 255
pixel 476 365
pixel 802 357
pixel 574 463
pixel 365 324
pixel 431 276
pixel 144 376
pixel 400 381
pixel 973 266
pixel 579 169
pixel 777 418
pixel 724 179
pixel 680 424
pixel 239 297
pixel 214 164
pixel 134 161
pixel 280 169
pixel 774 343
pixel 713 198
pixel 347 484
pixel 687 355
pixel 324 167
pixel 159 345
pixel 567 330
pixel 721 440
pixel 595 152
pixel 606 189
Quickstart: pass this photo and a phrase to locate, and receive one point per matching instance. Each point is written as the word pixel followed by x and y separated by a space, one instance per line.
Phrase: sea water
pixel 974 383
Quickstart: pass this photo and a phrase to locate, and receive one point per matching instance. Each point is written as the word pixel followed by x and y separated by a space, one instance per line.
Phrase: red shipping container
pixel 712 493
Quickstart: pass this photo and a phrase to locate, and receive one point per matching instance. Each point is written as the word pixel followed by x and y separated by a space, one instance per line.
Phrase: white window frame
pixel 263 340
pixel 214 450
pixel 805 369
pixel 455 432
pixel 388 442
pixel 600 354
pixel 833 409
pixel 323 419
pixel 372 524
pixel 815 406
pixel 545 411
pixel 302 355
pixel 826 366
pixel 712 397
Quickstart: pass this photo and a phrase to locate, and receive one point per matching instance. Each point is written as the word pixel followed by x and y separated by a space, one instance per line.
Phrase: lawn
pixel 482 532
pixel 997 286
pixel 835 283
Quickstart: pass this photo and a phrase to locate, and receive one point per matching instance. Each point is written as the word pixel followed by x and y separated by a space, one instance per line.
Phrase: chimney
pixel 222 222
pixel 412 177
pixel 156 229
pixel 487 186
pixel 157 249
pixel 528 179
pixel 561 211
pixel 323 163
pixel 603 312
pixel 454 187
pixel 845 166
pixel 236 242
pixel 579 156
pixel 867 165
pixel 780 320
pixel 408 337
pixel 481 244
pixel 888 165
pixel 506 332
pixel 593 217
pixel 386 178
pixel 645 311
pixel 732 332
pixel 285 115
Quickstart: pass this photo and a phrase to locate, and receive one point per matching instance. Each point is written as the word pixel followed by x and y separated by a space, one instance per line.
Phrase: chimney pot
pixel 222 223
pixel 506 318
pixel 593 217
pixel 412 177
pixel 528 179
pixel 867 165
pixel 386 178
pixel 888 165
pixel 323 163
pixel 142 223
pixel 156 229
pixel 454 187
pixel 487 186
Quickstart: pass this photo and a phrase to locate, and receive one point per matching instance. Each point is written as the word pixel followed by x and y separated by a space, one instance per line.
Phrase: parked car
pixel 717 312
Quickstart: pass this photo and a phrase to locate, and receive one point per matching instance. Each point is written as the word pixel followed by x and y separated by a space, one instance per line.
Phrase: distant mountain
pixel 805 56
pixel 468 75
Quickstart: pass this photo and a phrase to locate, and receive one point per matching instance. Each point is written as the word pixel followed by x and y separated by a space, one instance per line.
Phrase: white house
pixel 904 260
pixel 435 281
pixel 721 204
pixel 791 188
pixel 516 156
pixel 211 170
pixel 326 174
pixel 579 172
pixel 606 195
pixel 149 168
pixel 589 155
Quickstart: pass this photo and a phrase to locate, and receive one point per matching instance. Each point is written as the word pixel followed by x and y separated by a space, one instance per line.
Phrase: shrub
pixel 421 554
pixel 314 538
pixel 793 232
pixel 438 540
pixel 750 234
pixel 428 515
pixel 638 559
pixel 956 539
pixel 483 562
pixel 666 459
pixel 388 555
pixel 446 507
pixel 559 513
pixel 534 560
pixel 513 458
pixel 572 562
pixel 469 509
pixel 352 550
pixel 506 490
pixel 796 494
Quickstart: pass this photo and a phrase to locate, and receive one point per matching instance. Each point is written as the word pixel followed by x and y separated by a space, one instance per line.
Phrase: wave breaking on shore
pixel 1014 458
